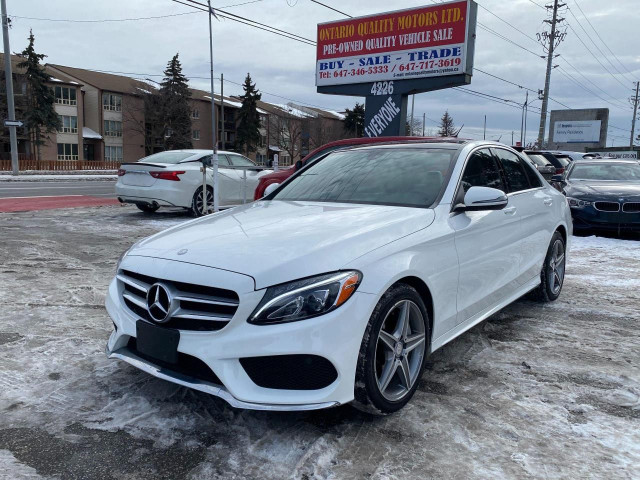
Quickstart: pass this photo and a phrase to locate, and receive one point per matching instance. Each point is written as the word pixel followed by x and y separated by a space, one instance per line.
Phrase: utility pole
pixel 214 126
pixel 13 136
pixel 551 39
pixel 635 113
pixel 413 101
pixel 223 138
pixel 484 131
pixel 522 121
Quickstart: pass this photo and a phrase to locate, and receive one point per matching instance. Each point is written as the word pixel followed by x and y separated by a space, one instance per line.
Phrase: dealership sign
pixel 569 131
pixel 423 42
pixel 624 155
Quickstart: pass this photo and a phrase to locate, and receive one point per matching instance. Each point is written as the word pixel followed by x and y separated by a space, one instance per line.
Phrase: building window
pixel 195 113
pixel 111 101
pixel 65 95
pixel 263 141
pixel 68 124
pixel 67 151
pixel 195 134
pixel 112 128
pixel 113 153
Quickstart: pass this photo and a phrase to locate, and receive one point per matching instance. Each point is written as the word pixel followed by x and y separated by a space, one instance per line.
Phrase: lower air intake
pixel 290 372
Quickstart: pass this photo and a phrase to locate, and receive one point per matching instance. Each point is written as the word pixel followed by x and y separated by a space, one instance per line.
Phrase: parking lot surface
pixel 537 391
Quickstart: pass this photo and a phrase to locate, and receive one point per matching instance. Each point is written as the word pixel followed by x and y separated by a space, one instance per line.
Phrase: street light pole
pixel 8 77
pixel 214 126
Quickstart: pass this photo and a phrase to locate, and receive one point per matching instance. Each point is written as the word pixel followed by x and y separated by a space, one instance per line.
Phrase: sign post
pixel 386 57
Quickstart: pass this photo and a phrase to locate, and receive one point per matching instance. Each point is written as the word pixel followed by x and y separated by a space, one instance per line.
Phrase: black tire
pixel 368 395
pixel 196 202
pixel 146 208
pixel 552 277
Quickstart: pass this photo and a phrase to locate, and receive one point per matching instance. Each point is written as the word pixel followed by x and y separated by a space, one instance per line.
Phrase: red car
pixel 281 175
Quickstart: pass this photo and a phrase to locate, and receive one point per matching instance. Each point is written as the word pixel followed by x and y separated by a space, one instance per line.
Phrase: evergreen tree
pixel 248 132
pixel 354 120
pixel 40 117
pixel 447 128
pixel 173 99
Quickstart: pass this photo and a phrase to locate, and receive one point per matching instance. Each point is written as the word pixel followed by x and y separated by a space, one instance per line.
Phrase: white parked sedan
pixel 174 179
pixel 337 286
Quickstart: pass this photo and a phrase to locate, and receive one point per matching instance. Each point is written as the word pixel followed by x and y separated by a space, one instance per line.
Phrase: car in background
pixel 282 175
pixel 560 163
pixel 174 179
pixel 337 286
pixel 572 156
pixel 542 164
pixel 603 194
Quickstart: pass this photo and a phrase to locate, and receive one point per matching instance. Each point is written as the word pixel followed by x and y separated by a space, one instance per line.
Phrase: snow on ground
pixel 537 391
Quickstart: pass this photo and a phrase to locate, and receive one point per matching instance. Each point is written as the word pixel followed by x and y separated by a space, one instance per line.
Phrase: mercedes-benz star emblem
pixel 159 302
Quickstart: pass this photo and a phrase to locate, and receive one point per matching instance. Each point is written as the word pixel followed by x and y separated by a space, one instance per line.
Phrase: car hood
pixel 604 189
pixel 280 241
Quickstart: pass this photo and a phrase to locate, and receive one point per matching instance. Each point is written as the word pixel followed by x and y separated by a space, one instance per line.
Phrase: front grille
pixel 187 365
pixel 197 307
pixel 631 207
pixel 290 372
pixel 607 206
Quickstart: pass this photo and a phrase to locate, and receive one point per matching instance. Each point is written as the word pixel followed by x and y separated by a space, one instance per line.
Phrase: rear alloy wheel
pixel 146 208
pixel 552 274
pixel 393 352
pixel 197 204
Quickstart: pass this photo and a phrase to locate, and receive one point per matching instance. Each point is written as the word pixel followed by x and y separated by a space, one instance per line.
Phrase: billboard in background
pixel 420 42
pixel 572 131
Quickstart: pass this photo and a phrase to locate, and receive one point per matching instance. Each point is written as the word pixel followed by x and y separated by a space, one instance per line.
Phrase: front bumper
pixel 588 218
pixel 336 336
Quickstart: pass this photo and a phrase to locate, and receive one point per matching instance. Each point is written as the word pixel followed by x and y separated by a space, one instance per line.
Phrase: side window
pixel 514 170
pixel 240 161
pixel 223 160
pixel 481 171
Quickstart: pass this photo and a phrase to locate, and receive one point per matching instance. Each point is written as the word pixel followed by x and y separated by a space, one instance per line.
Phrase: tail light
pixel 559 171
pixel 121 172
pixel 173 176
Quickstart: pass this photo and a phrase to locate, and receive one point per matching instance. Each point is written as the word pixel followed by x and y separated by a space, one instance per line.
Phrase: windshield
pixel 606 171
pixel 167 157
pixel 563 160
pixel 384 176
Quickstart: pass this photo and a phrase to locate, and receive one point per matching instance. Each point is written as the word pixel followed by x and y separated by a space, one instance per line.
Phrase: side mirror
pixel 270 189
pixel 484 198
pixel 298 165
pixel 557 178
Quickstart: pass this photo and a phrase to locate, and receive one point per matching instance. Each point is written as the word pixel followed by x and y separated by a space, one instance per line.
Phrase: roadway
pixel 94 188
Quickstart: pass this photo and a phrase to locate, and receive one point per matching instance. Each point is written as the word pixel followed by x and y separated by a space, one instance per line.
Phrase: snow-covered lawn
pixel 537 391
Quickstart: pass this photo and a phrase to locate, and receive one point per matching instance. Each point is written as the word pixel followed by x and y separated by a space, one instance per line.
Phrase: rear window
pixel 382 176
pixel 538 159
pixel 167 157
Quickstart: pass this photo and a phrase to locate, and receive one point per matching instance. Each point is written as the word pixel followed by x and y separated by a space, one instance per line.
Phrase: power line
pixel 331 8
pixel 603 42
pixel 589 50
pixel 109 20
pixel 248 21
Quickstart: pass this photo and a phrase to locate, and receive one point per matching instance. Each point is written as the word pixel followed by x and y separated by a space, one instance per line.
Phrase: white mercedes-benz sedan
pixel 335 287
pixel 174 179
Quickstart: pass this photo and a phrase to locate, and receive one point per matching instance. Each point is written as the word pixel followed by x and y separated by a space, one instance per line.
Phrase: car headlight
pixel 577 203
pixel 306 298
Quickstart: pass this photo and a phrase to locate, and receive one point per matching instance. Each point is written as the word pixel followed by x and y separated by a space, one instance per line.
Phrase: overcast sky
pixel 284 67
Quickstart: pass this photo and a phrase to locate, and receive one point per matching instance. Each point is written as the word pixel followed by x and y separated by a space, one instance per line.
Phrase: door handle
pixel 510 211
pixel 548 202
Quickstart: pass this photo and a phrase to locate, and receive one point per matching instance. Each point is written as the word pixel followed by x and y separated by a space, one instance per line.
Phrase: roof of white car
pixel 200 151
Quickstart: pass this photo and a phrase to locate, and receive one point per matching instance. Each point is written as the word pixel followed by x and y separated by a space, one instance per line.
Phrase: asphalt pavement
pixel 93 188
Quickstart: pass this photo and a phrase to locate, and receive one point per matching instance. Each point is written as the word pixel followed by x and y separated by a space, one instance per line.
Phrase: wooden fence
pixel 26 163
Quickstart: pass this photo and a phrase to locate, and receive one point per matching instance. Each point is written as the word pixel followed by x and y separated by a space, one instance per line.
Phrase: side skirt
pixel 473 321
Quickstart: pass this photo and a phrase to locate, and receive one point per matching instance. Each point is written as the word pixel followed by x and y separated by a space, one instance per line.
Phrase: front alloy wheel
pixel 553 269
pixel 392 352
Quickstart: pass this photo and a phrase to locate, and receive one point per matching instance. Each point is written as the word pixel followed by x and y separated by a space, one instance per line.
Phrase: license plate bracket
pixel 159 343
